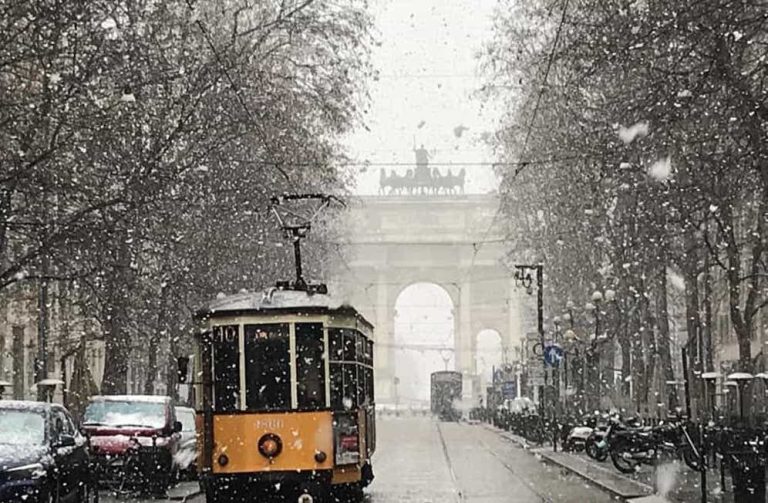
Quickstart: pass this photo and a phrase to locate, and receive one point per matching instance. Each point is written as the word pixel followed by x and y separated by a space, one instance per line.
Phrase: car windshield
pixel 125 414
pixel 187 419
pixel 21 427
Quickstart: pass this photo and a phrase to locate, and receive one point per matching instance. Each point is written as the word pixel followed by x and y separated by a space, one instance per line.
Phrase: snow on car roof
pixel 24 404
pixel 131 398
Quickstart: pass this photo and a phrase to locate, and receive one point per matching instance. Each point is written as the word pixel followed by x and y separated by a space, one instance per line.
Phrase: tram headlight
pixel 223 460
pixel 270 445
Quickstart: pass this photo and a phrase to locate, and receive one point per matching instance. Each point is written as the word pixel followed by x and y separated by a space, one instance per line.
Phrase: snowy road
pixel 422 461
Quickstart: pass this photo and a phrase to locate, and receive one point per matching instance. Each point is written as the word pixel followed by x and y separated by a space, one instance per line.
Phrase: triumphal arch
pixel 424 234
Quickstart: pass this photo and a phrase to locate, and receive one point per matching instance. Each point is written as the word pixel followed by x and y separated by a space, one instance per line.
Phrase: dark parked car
pixel 134 440
pixel 43 458
pixel 186 458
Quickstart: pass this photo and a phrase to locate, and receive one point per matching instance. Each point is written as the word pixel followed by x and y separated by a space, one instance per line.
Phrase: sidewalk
pixel 676 481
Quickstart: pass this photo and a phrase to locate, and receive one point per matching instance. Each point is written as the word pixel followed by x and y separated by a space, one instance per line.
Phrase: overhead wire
pixel 409 282
pixel 550 60
pixel 394 164
pixel 521 163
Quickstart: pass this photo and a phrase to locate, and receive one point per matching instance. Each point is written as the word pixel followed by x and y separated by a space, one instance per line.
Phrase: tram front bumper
pixel 277 481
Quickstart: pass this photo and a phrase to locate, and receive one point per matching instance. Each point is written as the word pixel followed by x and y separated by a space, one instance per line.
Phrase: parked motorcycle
pixel 597 445
pixel 632 447
pixel 578 434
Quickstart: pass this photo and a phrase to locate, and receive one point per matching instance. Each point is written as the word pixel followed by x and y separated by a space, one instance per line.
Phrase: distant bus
pixel 445 392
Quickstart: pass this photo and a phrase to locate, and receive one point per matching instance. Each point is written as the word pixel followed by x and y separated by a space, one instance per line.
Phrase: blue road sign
pixel 509 390
pixel 553 355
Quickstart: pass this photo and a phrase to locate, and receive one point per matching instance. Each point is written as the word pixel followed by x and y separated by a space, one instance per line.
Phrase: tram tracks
pixel 527 483
pixel 460 496
pixel 458 493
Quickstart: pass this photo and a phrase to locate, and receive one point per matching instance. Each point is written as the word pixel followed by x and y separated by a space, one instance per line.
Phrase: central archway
pixel 423 340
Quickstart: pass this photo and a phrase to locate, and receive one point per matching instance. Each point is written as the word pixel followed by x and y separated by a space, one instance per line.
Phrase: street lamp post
pixel 523 278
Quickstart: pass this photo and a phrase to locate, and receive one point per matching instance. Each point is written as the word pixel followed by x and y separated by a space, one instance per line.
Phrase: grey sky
pixel 427 64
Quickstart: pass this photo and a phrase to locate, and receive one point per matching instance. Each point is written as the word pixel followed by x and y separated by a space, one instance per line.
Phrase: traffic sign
pixel 536 375
pixel 509 390
pixel 553 355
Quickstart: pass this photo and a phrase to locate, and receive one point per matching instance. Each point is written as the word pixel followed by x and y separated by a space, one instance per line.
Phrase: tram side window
pixel 226 368
pixel 369 353
pixel 350 385
pixel 268 367
pixel 310 365
pixel 361 385
pixel 359 348
pixel 336 344
pixel 337 387
pixel 349 380
pixel 349 345
pixel 369 384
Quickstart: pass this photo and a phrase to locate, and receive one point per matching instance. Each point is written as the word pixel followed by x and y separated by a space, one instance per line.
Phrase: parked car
pixel 42 455
pixel 134 440
pixel 186 457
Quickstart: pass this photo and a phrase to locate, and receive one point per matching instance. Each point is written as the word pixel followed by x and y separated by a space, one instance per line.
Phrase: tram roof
pixel 278 300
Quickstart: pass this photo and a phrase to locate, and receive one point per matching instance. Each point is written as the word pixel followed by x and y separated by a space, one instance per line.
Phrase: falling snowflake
pixel 661 169
pixel 676 280
pixel 633 132
pixel 109 24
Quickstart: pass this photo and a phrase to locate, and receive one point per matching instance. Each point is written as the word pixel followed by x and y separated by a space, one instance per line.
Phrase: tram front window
pixel 267 367
pixel 310 365
pixel 226 368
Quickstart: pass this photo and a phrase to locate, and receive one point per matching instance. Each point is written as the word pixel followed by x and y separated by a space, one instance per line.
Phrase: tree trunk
pixel 664 337
pixel 709 364
pixel 117 347
pixel 5 215
pixel 638 357
pixel 154 344
pixel 116 351
pixel 172 375
pixel 149 381
pixel 626 360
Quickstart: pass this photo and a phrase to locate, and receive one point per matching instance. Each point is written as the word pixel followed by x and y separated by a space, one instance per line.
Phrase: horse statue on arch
pixel 426 182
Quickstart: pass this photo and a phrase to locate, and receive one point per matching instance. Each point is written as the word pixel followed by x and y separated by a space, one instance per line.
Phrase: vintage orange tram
pixel 284 395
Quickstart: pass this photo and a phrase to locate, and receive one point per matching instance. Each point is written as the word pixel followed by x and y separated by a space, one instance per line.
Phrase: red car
pixel 134 440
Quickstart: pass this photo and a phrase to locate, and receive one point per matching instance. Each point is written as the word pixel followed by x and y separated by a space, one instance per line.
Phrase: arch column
pixel 383 354
pixel 464 340
pixel 515 321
